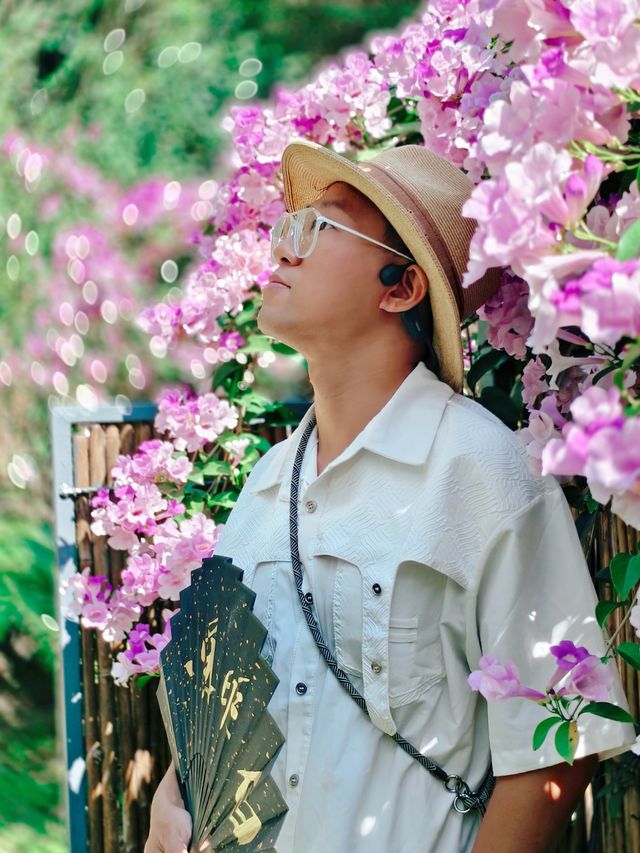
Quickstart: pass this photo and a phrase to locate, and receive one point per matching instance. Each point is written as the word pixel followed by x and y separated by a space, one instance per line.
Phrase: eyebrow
pixel 333 202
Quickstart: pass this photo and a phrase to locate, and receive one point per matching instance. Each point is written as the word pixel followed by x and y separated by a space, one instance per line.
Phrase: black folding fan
pixel 213 695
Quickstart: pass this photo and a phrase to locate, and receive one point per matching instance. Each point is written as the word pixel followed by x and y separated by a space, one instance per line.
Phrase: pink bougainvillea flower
pixel 508 317
pixel 500 681
pixel 193 422
pixel 567 655
pixel 589 678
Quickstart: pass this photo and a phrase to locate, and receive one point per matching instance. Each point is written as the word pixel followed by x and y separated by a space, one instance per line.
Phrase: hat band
pixel 425 223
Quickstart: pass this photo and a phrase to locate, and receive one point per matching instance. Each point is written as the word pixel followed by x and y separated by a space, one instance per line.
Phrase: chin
pixel 273 329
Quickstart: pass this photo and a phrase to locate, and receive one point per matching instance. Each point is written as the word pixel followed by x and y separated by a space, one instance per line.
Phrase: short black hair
pixel 423 309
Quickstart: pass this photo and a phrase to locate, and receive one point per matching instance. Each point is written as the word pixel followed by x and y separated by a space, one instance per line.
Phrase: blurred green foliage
pixel 54 53
pixel 68 67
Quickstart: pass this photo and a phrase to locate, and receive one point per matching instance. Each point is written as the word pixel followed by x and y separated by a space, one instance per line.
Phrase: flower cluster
pixel 579 677
pixel 194 421
pixel 577 673
pixel 603 446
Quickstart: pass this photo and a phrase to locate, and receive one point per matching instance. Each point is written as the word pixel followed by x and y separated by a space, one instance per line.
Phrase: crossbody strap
pixel 464 799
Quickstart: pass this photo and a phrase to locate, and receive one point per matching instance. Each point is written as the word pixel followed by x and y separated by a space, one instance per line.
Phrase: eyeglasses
pixel 306 224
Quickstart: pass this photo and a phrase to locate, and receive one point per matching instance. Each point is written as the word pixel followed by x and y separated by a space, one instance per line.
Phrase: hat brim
pixel 308 169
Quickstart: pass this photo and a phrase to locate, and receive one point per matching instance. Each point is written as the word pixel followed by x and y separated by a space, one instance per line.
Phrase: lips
pixel 274 280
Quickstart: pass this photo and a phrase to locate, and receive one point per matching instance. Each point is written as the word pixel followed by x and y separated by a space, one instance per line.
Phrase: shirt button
pixel 294 779
pixel 301 688
pixel 376 667
pixel 310 506
pixel 377 588
pixel 308 597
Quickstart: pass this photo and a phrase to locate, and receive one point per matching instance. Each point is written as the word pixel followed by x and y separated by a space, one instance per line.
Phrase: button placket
pixel 378 581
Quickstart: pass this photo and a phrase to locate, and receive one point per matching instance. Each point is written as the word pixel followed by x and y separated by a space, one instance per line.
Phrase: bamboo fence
pixel 126 750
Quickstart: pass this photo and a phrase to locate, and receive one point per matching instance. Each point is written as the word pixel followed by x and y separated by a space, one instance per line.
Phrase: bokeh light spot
pixel 6 374
pixel 169 271
pixel 112 62
pixel 13 267
pixel 14 225
pixel 109 311
pixel 168 56
pixel 207 190
pixel 98 370
pixel 114 40
pixel 38 373
pixel 33 168
pixel 38 102
pixel 171 194
pixel 250 67
pixel 137 379
pixel 246 89
pixel 31 243
pixel 76 271
pixel 201 210
pixel 81 322
pixel 87 397
pixel 60 384
pixel 90 292
pixel 65 312
pixel 130 214
pixel 158 346
pixel 134 100
pixel 82 246
pixel 190 52
pixel 198 368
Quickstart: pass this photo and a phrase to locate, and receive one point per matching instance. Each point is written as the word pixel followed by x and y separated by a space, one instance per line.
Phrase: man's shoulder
pixel 475 450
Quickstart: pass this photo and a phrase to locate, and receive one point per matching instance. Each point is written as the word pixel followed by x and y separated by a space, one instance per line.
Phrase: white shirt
pixel 427 543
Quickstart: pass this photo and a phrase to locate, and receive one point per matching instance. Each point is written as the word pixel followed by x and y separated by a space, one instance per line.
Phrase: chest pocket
pixel 362 615
pixel 415 646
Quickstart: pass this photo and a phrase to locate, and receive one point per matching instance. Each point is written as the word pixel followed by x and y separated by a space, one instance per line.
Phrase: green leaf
pixel 257 343
pixel 141 680
pixel 224 499
pixel 283 349
pixel 604 609
pixel 567 740
pixel 608 710
pixel 625 573
pixel 483 365
pixel 630 652
pixel 543 729
pixel 629 245
pixel 196 477
pixel 216 468
pixel 194 507
pixel 501 405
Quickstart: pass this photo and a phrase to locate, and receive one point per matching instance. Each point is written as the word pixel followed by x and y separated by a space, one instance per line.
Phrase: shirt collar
pixel 402 431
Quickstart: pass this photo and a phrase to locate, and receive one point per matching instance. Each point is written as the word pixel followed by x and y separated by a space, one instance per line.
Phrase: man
pixel 424 539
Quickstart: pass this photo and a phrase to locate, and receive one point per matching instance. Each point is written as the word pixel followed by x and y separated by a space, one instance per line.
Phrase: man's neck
pixel 347 397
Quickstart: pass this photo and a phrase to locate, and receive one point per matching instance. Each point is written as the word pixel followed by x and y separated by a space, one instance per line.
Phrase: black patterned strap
pixel 464 799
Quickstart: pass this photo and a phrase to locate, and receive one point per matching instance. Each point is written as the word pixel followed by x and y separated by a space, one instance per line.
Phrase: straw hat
pixel 421 194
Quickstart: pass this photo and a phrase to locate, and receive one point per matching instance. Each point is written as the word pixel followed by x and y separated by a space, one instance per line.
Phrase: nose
pixel 283 252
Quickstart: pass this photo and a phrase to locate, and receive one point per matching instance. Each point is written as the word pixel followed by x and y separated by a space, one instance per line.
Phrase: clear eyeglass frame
pixel 305 225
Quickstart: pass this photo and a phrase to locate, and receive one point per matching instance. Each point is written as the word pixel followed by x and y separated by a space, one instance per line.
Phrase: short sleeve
pixel 534 591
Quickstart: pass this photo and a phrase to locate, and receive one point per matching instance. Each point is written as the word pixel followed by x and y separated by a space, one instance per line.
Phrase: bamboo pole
pixel 106 687
pixel 119 441
pixel 91 715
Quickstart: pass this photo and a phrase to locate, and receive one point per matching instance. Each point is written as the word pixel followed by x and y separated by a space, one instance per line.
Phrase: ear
pixel 409 291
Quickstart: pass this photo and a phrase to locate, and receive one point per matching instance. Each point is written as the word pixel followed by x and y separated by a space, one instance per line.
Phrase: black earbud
pixel 392 273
